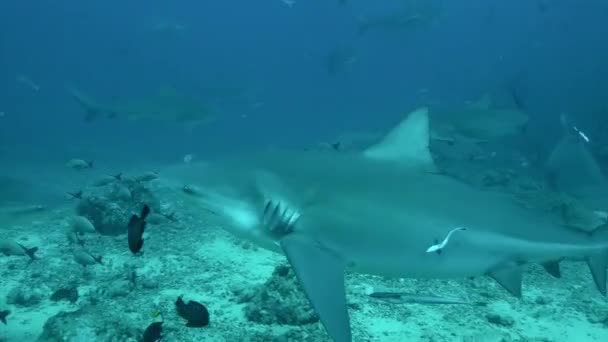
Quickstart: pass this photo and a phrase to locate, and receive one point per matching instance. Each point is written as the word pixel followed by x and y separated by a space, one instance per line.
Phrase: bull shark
pixel 479 121
pixel 167 105
pixel 385 211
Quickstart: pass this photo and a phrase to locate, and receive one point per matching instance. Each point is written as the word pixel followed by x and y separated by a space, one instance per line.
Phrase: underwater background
pixel 97 98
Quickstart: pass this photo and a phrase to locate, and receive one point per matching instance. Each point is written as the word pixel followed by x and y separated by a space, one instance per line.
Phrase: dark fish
pixel 3 315
pixel 195 313
pixel 118 176
pixel 75 195
pixel 136 227
pixel 69 293
pixel 85 258
pixel 153 332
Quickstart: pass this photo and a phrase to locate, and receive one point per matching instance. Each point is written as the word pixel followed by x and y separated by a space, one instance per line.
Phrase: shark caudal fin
pixel 407 143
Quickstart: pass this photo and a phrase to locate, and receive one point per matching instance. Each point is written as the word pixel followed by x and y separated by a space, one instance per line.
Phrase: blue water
pixel 262 66
pixel 275 54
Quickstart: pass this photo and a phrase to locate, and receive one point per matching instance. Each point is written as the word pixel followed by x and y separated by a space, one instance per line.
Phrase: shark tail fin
pixel 598 262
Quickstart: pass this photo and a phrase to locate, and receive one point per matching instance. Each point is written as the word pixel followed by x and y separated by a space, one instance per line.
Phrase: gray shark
pixel 385 211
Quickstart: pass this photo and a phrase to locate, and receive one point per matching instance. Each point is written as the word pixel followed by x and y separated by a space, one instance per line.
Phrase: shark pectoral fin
pixel 597 264
pixel 509 277
pixel 552 267
pixel 321 274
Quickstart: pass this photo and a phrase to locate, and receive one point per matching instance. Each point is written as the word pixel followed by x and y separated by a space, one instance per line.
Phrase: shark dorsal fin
pixel 407 143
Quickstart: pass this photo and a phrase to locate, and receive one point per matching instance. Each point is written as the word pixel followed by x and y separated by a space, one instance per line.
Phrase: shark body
pixel 379 212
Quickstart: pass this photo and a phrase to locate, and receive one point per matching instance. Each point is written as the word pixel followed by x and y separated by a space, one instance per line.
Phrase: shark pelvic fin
pixel 407 143
pixel 509 277
pixel 321 274
pixel 552 267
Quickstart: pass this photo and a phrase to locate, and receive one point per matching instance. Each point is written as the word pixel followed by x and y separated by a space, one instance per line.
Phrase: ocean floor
pixel 250 293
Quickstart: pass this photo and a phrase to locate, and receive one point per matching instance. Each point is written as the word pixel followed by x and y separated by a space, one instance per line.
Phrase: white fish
pixel 79 164
pixel 82 225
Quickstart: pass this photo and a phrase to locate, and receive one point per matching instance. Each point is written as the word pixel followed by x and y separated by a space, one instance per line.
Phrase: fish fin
pixel 599 262
pixel 597 265
pixel 3 315
pixel 407 143
pixel 552 267
pixel 321 274
pixel 509 277
pixel 31 252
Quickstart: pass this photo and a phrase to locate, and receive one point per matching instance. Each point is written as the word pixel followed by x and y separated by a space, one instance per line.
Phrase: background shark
pixel 386 211
pixel 167 104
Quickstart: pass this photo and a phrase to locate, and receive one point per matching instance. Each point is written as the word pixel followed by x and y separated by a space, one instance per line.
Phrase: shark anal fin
pixel 509 277
pixel 597 264
pixel 552 267
pixel 321 274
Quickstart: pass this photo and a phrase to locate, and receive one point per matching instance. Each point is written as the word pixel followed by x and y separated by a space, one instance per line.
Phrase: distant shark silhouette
pixel 165 105
pixel 572 168
pixel 385 212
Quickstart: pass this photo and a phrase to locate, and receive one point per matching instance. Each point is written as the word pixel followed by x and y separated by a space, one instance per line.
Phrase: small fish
pixel 289 3
pixel 79 164
pixel 69 294
pixel 75 195
pixel 122 192
pixel 109 179
pixel 10 247
pixel 171 216
pixel 74 238
pixel 85 258
pixel 3 315
pixel 194 312
pixel 188 158
pixel 82 225
pixel 153 332
pixel 135 232
pixel 146 177
pixel 23 79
